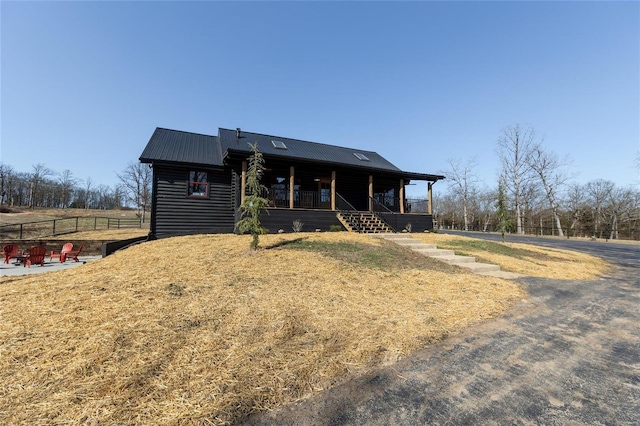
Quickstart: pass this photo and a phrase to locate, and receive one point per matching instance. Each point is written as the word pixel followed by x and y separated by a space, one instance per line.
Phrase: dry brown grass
pixel 200 330
pixel 104 235
pixel 526 259
pixel 25 214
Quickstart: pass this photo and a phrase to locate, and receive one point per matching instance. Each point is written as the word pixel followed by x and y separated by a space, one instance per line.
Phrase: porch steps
pixel 448 256
pixel 363 222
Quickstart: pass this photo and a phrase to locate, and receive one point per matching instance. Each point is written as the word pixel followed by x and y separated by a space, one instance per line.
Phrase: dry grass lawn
pixel 104 235
pixel 200 330
pixel 25 214
pixel 524 259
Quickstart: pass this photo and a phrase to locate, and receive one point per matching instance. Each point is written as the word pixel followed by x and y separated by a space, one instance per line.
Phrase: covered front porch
pixel 317 195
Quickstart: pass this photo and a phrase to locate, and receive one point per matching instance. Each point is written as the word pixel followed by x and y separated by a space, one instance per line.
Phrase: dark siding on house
pixel 276 219
pixel 236 182
pixel 176 213
pixel 419 222
pixel 398 222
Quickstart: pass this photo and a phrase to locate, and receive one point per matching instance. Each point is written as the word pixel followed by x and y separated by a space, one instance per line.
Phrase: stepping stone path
pixel 448 256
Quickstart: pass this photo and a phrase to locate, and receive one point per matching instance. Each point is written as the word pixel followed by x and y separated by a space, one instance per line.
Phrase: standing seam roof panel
pixel 303 150
pixel 182 147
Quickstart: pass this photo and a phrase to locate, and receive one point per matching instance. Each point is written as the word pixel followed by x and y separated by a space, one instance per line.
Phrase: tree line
pixel 540 195
pixel 533 193
pixel 44 187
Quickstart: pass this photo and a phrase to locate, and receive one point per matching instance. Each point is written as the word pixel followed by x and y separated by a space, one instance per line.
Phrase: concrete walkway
pixel 16 269
pixel 569 354
pixel 448 256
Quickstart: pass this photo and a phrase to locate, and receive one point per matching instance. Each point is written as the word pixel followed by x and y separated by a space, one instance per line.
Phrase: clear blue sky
pixel 84 84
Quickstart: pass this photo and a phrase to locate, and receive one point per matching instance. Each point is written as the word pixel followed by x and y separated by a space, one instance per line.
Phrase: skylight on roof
pixel 278 144
pixel 361 157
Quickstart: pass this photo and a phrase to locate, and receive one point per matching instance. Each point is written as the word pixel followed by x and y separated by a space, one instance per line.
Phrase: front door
pixel 324 189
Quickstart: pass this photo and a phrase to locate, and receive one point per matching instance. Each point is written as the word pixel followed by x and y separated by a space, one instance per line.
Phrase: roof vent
pixel 278 144
pixel 361 157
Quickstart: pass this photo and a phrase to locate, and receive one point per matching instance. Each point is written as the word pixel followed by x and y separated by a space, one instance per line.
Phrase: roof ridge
pixel 184 131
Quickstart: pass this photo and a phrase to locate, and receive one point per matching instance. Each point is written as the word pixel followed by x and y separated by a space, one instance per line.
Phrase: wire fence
pixel 604 233
pixel 53 227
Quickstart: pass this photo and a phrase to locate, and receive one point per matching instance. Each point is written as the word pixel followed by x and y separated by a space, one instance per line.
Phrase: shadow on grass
pixel 496 248
pixel 285 242
pixel 386 256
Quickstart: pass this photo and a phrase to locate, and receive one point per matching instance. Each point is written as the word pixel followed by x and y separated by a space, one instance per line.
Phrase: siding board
pixel 176 213
pixel 276 219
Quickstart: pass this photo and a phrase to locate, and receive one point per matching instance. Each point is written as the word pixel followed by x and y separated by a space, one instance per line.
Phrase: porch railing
pixel 301 199
pixel 384 213
pixel 345 208
pixel 416 205
pixel 343 205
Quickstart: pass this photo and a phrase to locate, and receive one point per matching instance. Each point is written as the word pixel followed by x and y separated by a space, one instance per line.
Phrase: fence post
pixel 54 227
pixel 77 224
pixel 20 231
pixel 95 223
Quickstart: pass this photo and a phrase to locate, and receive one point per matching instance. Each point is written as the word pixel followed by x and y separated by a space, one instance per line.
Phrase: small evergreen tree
pixel 502 212
pixel 254 202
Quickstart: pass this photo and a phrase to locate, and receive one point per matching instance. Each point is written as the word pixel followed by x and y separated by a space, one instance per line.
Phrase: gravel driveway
pixel 569 354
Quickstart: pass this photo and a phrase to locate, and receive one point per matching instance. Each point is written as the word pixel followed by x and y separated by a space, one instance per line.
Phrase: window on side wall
pixel 198 184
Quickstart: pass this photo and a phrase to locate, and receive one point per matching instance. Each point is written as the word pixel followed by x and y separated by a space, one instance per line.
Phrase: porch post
pixel 291 186
pixel 370 193
pixel 429 198
pixel 333 190
pixel 401 196
pixel 243 182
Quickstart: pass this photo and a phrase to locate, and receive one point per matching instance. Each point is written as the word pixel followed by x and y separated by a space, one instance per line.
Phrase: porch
pixel 358 199
pixel 275 219
pixel 310 212
pixel 316 187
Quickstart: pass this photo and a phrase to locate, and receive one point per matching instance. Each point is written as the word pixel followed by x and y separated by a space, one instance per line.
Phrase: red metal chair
pixel 68 247
pixel 36 255
pixel 73 254
pixel 11 251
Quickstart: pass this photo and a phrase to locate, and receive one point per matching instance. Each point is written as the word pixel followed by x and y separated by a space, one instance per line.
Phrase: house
pixel 199 183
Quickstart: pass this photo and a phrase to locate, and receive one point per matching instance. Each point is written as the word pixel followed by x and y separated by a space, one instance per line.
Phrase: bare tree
pixel 486 207
pixel 136 181
pixel 548 168
pixel 575 204
pixel 599 191
pixel 444 208
pixel 18 188
pixel 88 185
pixel 621 208
pixel 462 183
pixel 6 183
pixel 532 204
pixel 67 182
pixel 514 147
pixel 637 167
pixel 39 174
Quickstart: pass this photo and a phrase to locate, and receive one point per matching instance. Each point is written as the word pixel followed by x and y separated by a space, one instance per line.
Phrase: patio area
pixel 15 268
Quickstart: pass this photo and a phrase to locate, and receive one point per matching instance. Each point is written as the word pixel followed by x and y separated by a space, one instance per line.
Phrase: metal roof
pixel 174 146
pixel 303 150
